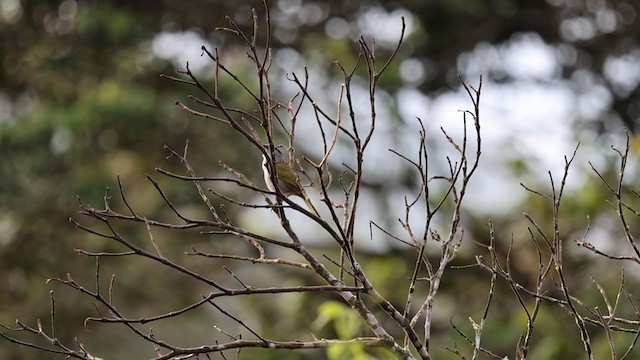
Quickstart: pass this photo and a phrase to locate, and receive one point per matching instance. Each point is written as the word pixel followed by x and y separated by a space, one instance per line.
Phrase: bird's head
pixel 280 152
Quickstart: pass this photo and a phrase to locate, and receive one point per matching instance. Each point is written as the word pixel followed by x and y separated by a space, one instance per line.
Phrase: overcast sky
pixel 536 115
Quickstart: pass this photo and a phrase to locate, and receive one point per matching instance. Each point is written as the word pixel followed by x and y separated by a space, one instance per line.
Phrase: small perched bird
pixel 288 181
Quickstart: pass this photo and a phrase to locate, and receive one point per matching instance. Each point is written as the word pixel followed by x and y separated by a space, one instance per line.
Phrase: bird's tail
pixel 310 206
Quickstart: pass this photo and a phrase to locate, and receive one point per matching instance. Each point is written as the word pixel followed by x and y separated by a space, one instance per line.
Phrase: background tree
pixel 80 84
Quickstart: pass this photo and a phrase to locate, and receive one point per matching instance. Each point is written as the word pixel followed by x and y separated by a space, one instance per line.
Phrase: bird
pixel 288 181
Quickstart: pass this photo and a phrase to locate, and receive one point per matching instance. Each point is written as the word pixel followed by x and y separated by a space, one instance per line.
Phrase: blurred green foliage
pixel 83 103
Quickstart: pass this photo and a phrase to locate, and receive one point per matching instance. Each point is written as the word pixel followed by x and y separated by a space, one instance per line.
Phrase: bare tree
pixel 552 279
pixel 262 125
